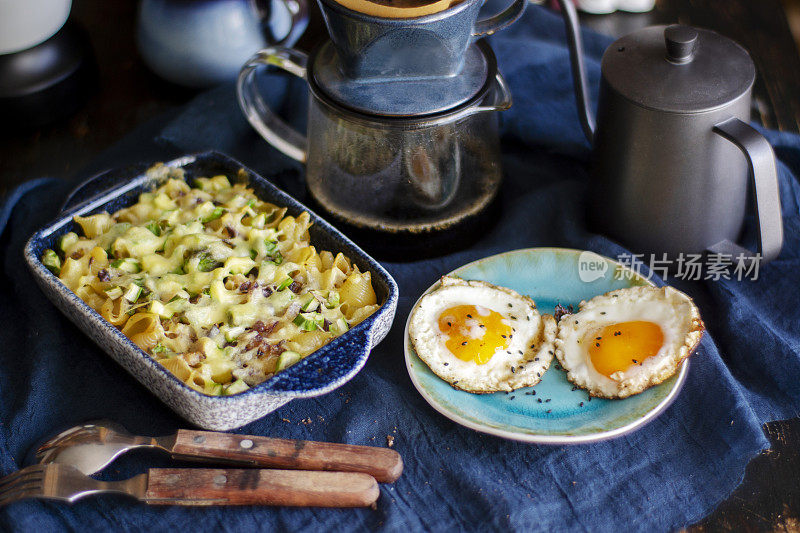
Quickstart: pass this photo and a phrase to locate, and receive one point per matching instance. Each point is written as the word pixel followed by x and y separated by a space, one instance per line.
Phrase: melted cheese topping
pixel 220 287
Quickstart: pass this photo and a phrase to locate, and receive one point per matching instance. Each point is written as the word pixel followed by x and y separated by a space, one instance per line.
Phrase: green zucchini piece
pixel 67 240
pixel 333 300
pixel 311 305
pixel 127 264
pixel 233 333
pixel 51 260
pixel 236 387
pixel 154 228
pixel 215 214
pixel 114 293
pixel 340 326
pixel 287 359
pixel 133 292
pixel 207 263
pixel 160 309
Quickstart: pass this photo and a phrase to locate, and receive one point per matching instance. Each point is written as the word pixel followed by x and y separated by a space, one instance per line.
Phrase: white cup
pixel 26 23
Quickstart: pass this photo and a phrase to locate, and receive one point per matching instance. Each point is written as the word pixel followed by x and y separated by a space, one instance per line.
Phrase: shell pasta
pixel 221 288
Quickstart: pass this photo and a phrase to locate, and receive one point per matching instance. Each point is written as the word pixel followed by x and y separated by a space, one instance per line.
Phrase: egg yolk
pixel 617 347
pixel 474 333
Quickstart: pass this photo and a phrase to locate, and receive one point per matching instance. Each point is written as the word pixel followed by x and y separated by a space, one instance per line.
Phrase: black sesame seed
pixel 574 388
pixel 602 312
pixel 513 370
pixel 550 352
pixel 481 326
pixel 528 393
pixel 521 352
pixel 597 344
pixel 449 324
pixel 447 364
pixel 464 343
pixel 512 317
pixel 547 400
pixel 598 338
pixel 549 411
pixel 503 336
pixel 634 361
pixel 535 358
pixel 511 398
pixel 576 322
pixel 539 400
pixel 533 392
pixel 469 316
pixel 510 305
pixel 580 404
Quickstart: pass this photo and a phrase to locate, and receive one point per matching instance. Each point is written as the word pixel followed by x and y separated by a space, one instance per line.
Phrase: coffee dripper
pixel 399 151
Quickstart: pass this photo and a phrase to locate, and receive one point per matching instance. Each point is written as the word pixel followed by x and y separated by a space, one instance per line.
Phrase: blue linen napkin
pixel 671 473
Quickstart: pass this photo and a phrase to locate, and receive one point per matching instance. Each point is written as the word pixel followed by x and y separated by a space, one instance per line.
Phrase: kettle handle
pixel 579 79
pixel 274 130
pixel 764 180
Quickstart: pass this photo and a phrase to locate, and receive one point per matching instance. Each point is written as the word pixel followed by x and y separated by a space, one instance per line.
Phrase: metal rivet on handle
pixel 199 439
pixel 172 478
pixel 246 444
pixel 220 479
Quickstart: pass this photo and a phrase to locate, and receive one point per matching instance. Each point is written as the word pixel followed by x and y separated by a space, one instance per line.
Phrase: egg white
pixel 671 309
pixel 521 364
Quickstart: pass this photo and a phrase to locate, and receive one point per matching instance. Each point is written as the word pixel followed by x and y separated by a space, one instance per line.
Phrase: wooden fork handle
pixel 200 486
pixel 383 464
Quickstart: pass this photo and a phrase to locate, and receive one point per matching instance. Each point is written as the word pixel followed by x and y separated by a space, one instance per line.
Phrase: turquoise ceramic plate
pixel 564 416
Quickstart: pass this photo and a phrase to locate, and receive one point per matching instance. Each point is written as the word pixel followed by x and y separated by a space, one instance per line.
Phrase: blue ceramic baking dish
pixel 319 373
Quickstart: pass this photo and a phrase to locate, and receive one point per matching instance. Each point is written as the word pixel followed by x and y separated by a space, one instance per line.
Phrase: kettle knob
pixel 681 43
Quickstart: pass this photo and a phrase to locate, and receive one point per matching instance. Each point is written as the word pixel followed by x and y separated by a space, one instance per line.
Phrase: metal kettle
pixel 672 150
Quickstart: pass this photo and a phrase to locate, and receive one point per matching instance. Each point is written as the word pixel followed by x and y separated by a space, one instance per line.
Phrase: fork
pixel 197 486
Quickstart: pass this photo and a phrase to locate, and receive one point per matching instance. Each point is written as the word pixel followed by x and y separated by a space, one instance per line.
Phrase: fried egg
pixel 480 337
pixel 625 341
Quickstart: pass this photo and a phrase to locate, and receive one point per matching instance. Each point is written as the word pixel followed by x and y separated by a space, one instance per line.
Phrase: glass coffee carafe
pixel 378 155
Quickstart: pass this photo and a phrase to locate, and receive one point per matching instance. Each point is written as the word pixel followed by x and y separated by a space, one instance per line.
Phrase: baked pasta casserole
pixel 221 288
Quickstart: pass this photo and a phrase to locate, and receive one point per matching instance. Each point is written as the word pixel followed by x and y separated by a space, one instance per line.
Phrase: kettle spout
pixel 582 99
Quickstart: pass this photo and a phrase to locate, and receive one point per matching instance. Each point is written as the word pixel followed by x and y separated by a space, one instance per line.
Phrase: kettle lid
pixel 678 69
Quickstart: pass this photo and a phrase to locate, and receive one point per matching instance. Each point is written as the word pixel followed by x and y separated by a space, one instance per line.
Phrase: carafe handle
pixel 274 130
pixel 488 26
pixel 764 181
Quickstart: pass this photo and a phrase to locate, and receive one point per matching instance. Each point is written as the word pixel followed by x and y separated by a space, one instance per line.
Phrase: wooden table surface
pixel 129 95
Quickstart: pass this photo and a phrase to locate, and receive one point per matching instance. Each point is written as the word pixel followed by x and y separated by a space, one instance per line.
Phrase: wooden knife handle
pixel 383 464
pixel 201 486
